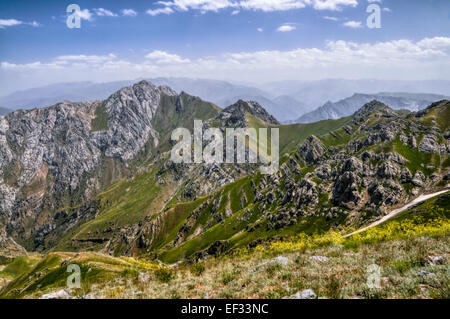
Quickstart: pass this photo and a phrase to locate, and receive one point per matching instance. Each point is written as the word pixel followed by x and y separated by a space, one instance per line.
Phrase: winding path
pixel 397 211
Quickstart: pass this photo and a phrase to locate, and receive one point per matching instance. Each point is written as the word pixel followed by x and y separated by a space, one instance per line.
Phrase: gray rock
pixel 61 294
pixel 412 141
pixel 423 273
pixel 312 149
pixel 405 175
pixel 429 144
pixel 281 260
pixel 388 170
pixel 305 294
pixel 345 190
pixel 321 259
pixel 436 260
pixel 307 193
pixel 418 179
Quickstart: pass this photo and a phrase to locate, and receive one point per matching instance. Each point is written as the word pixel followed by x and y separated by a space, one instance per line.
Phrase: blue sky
pixel 241 40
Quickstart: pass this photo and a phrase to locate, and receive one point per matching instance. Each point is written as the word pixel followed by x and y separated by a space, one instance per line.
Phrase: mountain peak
pixel 241 107
pixel 373 107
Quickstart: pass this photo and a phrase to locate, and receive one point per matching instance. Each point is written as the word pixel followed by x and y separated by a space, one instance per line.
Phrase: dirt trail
pixel 397 211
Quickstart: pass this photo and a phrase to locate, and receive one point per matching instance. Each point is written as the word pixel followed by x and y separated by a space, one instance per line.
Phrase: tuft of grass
pixel 402 265
pixel 228 277
pixel 197 269
pixel 164 275
pixel 333 287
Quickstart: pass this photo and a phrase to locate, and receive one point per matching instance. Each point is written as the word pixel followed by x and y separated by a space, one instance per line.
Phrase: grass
pixel 100 122
pixel 291 136
pixel 416 160
pixel 400 247
pixel 18 266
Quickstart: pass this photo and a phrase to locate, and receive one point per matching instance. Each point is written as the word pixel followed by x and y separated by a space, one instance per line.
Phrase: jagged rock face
pixel 48 154
pixel 130 113
pixel 345 191
pixel 388 170
pixel 429 144
pixel 307 194
pixel 312 150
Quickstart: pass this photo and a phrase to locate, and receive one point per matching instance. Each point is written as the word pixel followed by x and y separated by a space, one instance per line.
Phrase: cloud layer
pixel 171 6
pixel 400 59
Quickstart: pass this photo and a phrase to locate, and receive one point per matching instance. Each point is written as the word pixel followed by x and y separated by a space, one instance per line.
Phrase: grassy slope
pixel 400 247
pixel 232 229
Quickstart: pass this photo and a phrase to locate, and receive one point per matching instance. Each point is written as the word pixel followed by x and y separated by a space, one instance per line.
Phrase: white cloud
pixel 387 10
pixel 9 23
pixel 129 12
pixel 85 58
pixel 162 57
pixel 331 18
pixel 260 29
pixel 255 5
pixel 13 22
pixel 84 14
pixel 272 5
pixel 286 28
pixel 353 24
pixel 333 5
pixel 235 12
pixel 35 24
pixel 399 59
pixel 155 12
pixel 101 12
pixel 202 5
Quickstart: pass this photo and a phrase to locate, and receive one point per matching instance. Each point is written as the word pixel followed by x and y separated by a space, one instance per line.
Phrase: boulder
pixel 418 179
pixel 320 259
pixel 305 294
pixel 388 170
pixel 61 294
pixel 429 144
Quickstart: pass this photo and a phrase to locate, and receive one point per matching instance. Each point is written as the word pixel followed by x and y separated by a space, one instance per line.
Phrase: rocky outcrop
pixel 345 192
pixel 312 150
pixel 235 115
pixel 9 249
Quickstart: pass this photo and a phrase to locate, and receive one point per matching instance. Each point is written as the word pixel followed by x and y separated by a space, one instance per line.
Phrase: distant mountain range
pixel 287 100
pixel 316 93
pixel 347 106
pixel 221 93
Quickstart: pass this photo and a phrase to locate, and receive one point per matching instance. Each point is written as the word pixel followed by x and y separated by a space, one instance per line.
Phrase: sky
pixel 247 41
